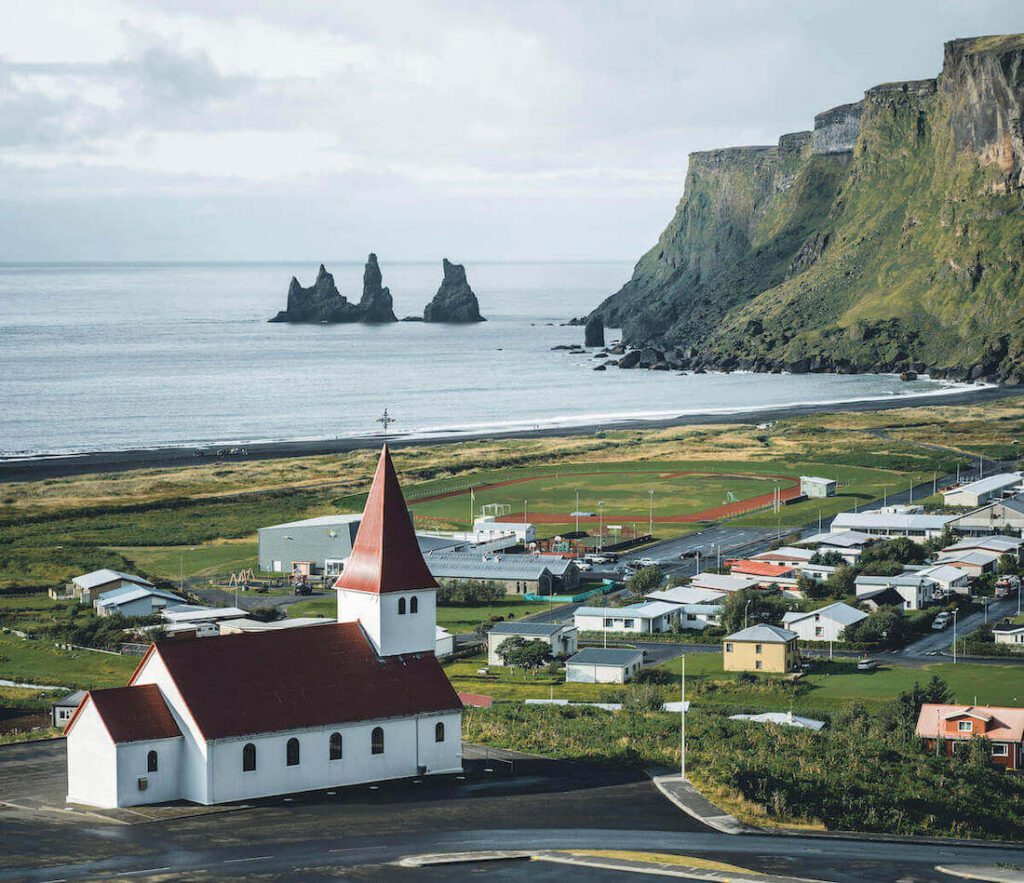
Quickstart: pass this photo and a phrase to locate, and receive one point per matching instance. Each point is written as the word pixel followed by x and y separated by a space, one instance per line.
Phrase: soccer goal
pixel 496 509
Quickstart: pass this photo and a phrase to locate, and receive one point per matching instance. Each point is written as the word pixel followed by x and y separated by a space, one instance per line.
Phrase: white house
pixel 647 617
pixel 135 601
pixel 488 526
pixel 823 624
pixel 254 715
pixel 90 585
pixel 982 491
pixel 1009 633
pixel 592 665
pixel 947 578
pixel 700 616
pixel 560 638
pixel 812 486
pixel 723 582
pixel 688 595
pixel 914 589
pixel 848 543
pixel 888 523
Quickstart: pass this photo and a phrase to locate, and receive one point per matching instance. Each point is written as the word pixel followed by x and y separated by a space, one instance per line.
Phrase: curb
pixel 989 873
pixel 724 823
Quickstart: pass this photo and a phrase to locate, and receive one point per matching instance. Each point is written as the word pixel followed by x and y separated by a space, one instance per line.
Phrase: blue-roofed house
pixel 560 637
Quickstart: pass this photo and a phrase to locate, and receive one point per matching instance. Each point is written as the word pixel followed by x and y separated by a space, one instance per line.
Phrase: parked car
pixel 583 565
pixel 867 665
pixel 648 562
pixel 942 621
pixel 596 559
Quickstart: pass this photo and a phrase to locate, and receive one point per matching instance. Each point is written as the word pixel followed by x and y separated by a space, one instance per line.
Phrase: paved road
pixel 540 804
pixel 939 642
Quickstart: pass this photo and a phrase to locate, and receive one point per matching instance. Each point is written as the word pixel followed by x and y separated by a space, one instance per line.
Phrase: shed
pixel 64 708
pixel 592 665
pixel 560 638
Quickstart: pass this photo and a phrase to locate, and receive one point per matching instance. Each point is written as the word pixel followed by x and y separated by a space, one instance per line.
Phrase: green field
pixel 203 560
pixel 40 662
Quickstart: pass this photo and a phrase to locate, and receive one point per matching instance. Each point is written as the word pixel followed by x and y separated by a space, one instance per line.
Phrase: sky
pixel 141 130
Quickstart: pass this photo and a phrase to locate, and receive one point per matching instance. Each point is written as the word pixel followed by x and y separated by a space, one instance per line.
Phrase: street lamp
pixel 682 717
pixel 577 512
pixel 745 608
pixel 956 610
pixel 650 515
pixel 600 525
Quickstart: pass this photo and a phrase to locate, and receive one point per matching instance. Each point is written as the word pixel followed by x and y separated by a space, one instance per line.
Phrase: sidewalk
pixel 694 804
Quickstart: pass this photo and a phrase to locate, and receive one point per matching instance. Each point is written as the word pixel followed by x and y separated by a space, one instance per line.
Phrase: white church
pixel 215 720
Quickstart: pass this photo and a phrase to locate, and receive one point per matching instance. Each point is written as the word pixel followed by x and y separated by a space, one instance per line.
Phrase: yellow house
pixel 761 647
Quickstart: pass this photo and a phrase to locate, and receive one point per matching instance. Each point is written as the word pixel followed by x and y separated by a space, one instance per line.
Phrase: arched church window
pixel 249 758
pixel 152 762
pixel 414 604
pixel 292 752
pixel 377 741
pixel 335 751
pixel 439 732
pixel 401 605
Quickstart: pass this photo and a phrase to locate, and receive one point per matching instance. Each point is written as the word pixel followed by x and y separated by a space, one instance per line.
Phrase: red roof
pixel 760 568
pixel 131 714
pixel 477 700
pixel 1002 723
pixel 386 556
pixel 264 682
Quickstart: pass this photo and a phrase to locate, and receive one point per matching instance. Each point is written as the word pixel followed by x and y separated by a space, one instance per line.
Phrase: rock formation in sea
pixel 322 302
pixel 454 301
pixel 593 334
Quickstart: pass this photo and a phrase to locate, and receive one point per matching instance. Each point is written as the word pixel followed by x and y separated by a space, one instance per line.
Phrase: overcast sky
pixel 317 129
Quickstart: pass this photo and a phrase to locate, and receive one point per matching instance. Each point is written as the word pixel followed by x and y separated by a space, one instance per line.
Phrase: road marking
pixel 255 858
pixel 148 870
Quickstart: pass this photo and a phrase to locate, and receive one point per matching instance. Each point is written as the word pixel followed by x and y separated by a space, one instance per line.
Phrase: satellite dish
pixel 332 533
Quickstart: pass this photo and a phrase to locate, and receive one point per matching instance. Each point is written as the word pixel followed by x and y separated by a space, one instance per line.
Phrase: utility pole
pixel 955 611
pixel 600 525
pixel 577 511
pixel 682 717
pixel 650 516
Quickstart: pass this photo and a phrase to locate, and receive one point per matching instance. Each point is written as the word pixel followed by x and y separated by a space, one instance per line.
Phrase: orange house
pixel 958 724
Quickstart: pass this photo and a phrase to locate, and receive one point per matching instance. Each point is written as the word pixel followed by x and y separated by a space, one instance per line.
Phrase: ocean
pixel 123 356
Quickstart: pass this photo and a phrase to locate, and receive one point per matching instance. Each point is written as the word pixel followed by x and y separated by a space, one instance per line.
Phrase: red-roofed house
pixel 264 713
pixel 957 724
pixel 765 572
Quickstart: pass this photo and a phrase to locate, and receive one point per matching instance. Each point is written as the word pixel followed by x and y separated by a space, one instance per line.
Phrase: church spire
pixel 386 556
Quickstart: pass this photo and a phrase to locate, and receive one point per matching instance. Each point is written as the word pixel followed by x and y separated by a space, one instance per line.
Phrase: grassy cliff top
pixel 992 43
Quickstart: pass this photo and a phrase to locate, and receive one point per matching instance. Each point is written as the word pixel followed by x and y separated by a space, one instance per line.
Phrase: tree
pixel 937 691
pixel 842 582
pixel 881 567
pixel 831 558
pixel 812 588
pixel 886 625
pixel 517 652
pixel 1007 563
pixel 907 708
pixel 763 607
pixel 643 697
pixel 900 549
pixel 645 580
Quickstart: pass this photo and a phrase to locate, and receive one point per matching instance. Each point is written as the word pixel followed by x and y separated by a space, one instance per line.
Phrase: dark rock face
pixel 454 301
pixel 321 302
pixel 593 335
pixel 376 304
pixel 630 360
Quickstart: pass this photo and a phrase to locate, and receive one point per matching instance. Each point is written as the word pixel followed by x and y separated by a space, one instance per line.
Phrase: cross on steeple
pixel 386 419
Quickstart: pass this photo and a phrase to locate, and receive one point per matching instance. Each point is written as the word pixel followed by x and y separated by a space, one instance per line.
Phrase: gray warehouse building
pixel 314 545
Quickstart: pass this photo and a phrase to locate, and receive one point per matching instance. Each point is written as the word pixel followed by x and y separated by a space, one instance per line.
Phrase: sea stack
pixel 593 334
pixel 454 301
pixel 321 302
pixel 376 304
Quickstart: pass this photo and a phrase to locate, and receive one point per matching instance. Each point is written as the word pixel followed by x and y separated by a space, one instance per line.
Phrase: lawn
pixel 218 558
pixel 508 685
pixel 40 662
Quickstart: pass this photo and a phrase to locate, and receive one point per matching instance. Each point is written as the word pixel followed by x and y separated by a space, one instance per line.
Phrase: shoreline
pixel 57 466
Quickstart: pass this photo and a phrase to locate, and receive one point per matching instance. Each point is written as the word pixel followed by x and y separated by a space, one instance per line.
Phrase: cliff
pixel 322 302
pixel 891 238
pixel 455 300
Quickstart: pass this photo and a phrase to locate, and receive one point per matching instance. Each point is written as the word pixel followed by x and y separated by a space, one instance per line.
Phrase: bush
pixel 642 698
pixel 645 580
pixel 657 676
pixel 469 592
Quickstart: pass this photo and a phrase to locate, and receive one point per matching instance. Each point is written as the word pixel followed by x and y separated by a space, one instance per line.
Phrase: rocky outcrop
pixel 891 240
pixel 321 302
pixel 376 304
pixel 455 300
pixel 593 334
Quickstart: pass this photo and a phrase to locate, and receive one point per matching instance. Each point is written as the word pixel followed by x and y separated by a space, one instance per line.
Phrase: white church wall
pixel 316 770
pixel 194 773
pixel 132 765
pixel 92 761
pixel 392 632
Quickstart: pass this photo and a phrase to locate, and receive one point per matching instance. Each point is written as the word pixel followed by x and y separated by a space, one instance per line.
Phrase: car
pixel 595 559
pixel 648 562
pixel 806 665
pixel 941 621
pixel 867 665
pixel 583 565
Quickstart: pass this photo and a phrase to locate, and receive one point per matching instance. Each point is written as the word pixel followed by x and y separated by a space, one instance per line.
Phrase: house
pixel 193 614
pixel 360 700
pixel 688 594
pixel 1001 544
pixel 1009 633
pixel 489 526
pixel 64 709
pixel 91 585
pixel 721 582
pixel 814 487
pixel 947 578
pixel 246 625
pixel 561 639
pixel 993 517
pixel 135 601
pixel 980 492
pixel 592 665
pixel 823 624
pixel 700 616
pixel 848 543
pixel 519 574
pixel 647 617
pixel 761 647
pixel 764 573
pixel 881 597
pixel 889 523
pixel 787 556
pixel 915 591
pixel 310 546
pixel 782 719
pixel 975 562
pixel 954 725
pixel 444 643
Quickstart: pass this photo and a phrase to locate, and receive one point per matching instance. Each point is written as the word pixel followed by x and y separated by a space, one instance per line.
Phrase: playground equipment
pixel 242 578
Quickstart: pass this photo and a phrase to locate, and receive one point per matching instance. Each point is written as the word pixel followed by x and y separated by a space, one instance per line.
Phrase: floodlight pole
pixel 682 717
pixel 745 608
pixel 955 611
pixel 577 512
pixel 650 517
pixel 600 525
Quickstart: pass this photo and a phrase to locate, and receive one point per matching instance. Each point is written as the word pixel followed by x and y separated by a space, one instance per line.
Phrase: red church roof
pixel 386 556
pixel 131 714
pixel 265 682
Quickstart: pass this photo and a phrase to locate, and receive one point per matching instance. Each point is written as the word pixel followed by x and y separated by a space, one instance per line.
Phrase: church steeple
pixel 386 585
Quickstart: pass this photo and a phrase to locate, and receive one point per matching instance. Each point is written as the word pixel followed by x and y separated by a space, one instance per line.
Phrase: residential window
pixel 414 605
pixel 964 726
pixel 818 631
pixel 757 648
pixel 607 623
pixel 439 732
pixel 1000 749
pixel 335 746
pixel 627 624
pixel 377 741
pixel 291 752
pixel 249 758
pixel 401 605
pixel 728 648
pixel 152 762
pixel 757 665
